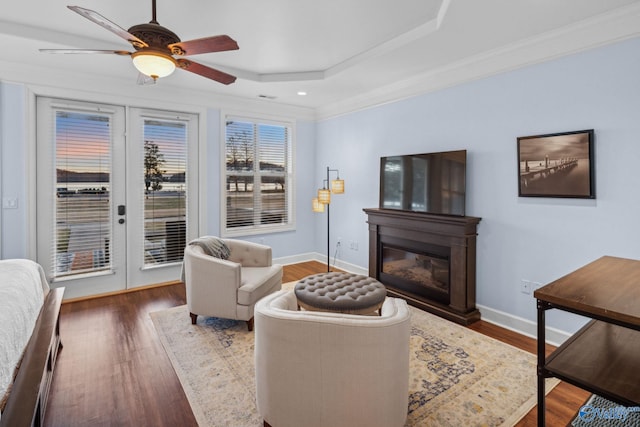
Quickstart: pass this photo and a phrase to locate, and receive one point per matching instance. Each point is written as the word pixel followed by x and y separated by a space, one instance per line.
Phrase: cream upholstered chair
pixel 320 369
pixel 229 288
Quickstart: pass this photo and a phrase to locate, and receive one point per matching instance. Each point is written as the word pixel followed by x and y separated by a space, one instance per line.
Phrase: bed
pixel 29 341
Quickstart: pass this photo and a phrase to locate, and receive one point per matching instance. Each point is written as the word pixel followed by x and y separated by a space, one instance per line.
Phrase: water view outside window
pixel 82 204
pixel 258 165
pixel 164 192
pixel 83 192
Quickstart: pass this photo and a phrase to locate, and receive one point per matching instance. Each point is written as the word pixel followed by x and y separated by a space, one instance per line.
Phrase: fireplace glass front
pixel 419 273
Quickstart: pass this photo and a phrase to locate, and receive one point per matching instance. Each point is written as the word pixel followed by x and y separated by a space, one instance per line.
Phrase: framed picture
pixel 557 165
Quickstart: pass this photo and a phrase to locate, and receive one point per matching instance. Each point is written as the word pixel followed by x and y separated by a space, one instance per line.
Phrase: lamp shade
pixel 317 206
pixel 324 196
pixel 337 186
pixel 154 64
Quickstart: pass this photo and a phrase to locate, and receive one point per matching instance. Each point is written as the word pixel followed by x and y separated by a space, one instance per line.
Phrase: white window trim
pixel 291 193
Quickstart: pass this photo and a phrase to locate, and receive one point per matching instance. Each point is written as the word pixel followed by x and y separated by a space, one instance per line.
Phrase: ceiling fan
pixel 155 47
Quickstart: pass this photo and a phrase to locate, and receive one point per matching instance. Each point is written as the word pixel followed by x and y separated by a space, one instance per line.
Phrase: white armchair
pixel 320 369
pixel 229 288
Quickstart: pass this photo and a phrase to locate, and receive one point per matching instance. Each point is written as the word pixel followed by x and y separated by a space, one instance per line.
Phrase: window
pixel 258 168
pixel 83 188
pixel 165 195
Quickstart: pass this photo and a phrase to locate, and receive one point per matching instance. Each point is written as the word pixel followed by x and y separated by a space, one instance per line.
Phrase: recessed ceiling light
pixel 302 93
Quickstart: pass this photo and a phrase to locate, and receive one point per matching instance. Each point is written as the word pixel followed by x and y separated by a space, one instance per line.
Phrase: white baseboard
pixel 520 325
pixel 294 259
pixel 351 268
pixel 499 318
pixel 314 256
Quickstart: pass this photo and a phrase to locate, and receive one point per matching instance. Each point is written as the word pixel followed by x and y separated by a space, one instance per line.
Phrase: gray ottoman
pixel 340 292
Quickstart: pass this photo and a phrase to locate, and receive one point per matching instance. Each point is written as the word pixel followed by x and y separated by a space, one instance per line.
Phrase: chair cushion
pixel 257 282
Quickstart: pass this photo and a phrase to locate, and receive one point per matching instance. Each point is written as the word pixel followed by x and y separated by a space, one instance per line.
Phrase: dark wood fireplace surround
pixel 453 232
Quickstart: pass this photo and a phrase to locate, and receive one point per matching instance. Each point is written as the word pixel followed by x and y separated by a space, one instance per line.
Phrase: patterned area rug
pixel 458 376
pixel 600 412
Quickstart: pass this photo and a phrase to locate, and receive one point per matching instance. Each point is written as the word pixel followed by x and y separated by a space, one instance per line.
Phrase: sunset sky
pixel 83 142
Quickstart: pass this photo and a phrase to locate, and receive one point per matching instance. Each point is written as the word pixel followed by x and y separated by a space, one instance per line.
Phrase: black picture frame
pixel 557 165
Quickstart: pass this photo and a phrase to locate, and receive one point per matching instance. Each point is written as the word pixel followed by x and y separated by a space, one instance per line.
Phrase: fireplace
pixel 417 270
pixel 429 260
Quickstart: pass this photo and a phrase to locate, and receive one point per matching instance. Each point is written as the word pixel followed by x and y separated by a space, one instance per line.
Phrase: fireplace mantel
pixel 456 235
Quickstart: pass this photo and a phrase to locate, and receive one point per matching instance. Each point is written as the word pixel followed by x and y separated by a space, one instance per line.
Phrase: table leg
pixel 541 360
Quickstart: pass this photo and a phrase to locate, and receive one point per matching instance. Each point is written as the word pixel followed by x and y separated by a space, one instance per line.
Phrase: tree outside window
pixel 258 164
pixel 153 161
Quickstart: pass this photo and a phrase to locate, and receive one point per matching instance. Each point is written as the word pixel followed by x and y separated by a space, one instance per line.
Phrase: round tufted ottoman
pixel 340 292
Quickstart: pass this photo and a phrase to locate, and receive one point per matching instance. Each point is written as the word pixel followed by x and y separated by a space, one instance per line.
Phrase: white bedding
pixel 23 286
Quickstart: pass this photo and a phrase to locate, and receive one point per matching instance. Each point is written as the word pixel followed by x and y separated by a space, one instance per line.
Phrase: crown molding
pixel 611 27
pixel 66 83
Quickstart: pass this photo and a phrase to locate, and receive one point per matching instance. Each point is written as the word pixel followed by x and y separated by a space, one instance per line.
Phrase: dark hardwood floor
pixel 113 370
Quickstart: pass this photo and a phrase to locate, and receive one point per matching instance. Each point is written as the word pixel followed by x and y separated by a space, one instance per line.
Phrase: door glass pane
pixel 165 191
pixel 83 185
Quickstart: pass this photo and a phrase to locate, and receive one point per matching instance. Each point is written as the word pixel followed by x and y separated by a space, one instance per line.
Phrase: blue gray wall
pixel 519 238
pixel 13 160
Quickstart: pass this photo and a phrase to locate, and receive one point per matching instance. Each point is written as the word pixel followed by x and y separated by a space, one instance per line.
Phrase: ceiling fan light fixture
pixel 156 46
pixel 154 64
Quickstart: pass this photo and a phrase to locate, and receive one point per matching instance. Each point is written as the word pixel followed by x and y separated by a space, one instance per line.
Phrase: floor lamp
pixel 323 199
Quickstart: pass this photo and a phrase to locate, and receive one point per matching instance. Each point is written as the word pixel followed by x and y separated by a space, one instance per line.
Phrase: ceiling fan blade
pixel 117 52
pixel 204 71
pixel 204 45
pixel 105 23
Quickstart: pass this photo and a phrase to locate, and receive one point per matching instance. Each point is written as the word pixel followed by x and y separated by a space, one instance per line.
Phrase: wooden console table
pixel 604 356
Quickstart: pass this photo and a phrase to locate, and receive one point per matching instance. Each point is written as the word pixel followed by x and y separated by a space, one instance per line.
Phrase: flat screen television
pixel 432 183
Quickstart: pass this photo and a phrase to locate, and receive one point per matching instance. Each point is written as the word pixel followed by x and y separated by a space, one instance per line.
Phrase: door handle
pixel 121 210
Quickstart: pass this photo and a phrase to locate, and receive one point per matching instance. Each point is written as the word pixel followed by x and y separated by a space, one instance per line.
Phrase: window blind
pixel 165 191
pixel 258 164
pixel 82 192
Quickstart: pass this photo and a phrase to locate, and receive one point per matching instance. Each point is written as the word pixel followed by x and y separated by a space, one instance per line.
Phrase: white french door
pixel 161 193
pixel 113 210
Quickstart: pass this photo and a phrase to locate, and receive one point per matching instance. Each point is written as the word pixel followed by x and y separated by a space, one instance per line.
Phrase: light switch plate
pixel 10 203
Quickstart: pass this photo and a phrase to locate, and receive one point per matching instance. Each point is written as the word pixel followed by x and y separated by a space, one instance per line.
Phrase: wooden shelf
pixel 602 358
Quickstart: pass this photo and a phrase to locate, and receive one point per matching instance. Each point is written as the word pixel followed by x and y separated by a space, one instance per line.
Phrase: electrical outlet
pixel 10 202
pixel 525 286
pixel 353 245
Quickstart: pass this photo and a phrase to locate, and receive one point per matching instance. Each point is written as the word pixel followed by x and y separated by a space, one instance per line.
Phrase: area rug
pixel 458 377
pixel 600 412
